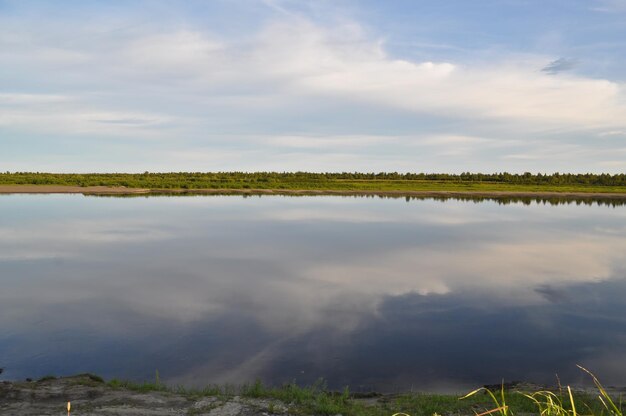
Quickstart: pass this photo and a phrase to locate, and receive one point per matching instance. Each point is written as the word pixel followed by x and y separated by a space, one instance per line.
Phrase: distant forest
pixel 304 180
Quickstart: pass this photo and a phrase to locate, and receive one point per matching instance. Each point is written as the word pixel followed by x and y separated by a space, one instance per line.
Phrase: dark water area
pixel 376 293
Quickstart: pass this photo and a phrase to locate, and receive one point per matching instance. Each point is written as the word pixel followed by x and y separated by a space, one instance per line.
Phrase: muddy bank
pixel 60 189
pixel 105 190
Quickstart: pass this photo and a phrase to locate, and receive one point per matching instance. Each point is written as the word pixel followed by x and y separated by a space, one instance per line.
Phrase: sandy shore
pixel 60 189
pixel 105 190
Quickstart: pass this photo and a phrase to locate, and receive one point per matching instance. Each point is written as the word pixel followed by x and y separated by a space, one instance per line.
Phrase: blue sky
pixel 283 85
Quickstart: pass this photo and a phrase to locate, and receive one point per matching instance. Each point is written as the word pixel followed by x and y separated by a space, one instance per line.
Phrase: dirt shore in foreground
pixel 89 397
pixel 105 190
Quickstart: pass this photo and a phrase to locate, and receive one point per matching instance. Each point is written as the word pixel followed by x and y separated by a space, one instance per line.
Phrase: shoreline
pixel 91 395
pixel 123 191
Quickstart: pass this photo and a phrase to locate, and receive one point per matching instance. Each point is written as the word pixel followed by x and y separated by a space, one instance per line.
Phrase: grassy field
pixel 358 182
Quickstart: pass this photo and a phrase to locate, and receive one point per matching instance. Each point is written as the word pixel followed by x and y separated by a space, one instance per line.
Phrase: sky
pixel 287 85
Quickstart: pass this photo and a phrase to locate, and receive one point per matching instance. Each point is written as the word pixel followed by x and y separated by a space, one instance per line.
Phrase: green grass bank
pixel 303 181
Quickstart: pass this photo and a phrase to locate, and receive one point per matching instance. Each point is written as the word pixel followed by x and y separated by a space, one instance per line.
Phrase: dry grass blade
pixel 488 412
pixel 471 393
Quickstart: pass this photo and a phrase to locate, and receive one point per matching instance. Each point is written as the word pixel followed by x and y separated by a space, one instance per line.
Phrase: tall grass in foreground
pixel 549 403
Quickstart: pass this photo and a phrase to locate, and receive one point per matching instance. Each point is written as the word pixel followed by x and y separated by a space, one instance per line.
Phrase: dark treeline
pixel 508 200
pixel 288 179
pixel 500 200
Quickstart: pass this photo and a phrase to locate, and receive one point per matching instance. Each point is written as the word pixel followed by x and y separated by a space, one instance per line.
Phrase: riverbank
pixel 90 395
pixel 124 191
pixel 346 183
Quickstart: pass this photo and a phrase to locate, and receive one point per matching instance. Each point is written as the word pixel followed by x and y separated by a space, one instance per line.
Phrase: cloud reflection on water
pixel 383 293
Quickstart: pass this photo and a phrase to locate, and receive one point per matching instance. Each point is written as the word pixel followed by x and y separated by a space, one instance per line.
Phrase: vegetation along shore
pixel 295 183
pixel 91 395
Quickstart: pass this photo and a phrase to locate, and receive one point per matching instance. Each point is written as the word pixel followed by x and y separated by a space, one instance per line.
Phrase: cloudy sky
pixel 342 85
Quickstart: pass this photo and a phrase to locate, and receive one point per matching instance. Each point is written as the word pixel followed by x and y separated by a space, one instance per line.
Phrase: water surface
pixel 382 294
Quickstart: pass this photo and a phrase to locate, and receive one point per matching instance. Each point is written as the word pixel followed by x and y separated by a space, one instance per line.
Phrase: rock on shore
pixel 90 396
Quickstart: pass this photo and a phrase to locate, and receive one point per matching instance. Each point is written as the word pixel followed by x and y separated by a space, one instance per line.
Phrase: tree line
pixel 293 179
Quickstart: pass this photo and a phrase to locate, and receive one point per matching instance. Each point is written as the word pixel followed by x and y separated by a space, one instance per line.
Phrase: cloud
pixel 329 142
pixel 301 59
pixel 560 65
pixel 74 114
pixel 177 55
pixel 127 121
pixel 8 99
pixel 613 133
pixel 609 6
pixel 552 294
pixel 333 95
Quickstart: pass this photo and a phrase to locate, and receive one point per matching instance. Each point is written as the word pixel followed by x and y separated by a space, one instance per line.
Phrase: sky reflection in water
pixel 377 294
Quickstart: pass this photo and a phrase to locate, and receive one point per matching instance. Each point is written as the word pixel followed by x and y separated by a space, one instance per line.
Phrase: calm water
pixel 375 293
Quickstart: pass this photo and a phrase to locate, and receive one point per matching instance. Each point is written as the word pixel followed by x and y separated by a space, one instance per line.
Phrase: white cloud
pixel 329 142
pixel 30 99
pixel 609 6
pixel 301 58
pixel 49 114
pixel 613 133
pixel 179 54
pixel 189 86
